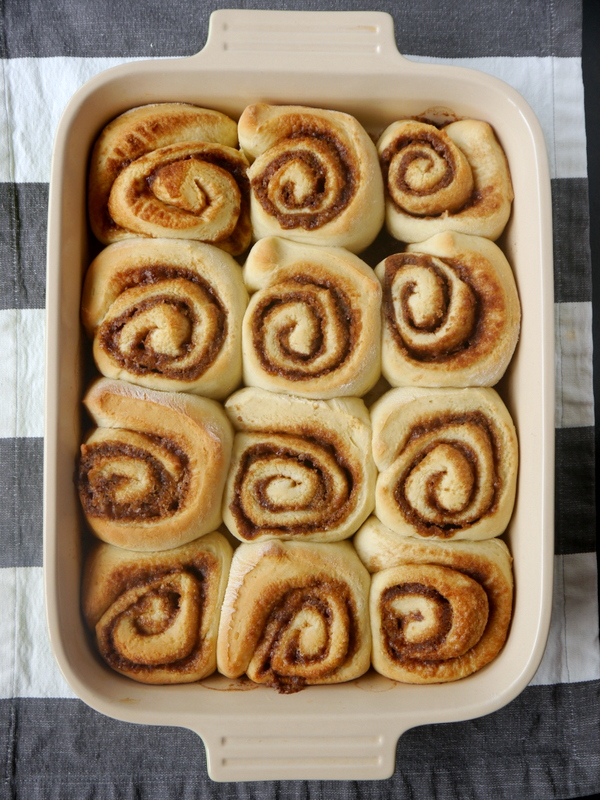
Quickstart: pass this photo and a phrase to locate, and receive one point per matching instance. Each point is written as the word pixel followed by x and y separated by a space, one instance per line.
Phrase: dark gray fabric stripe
pixel 571 234
pixel 23 223
pixel 575 512
pixel 21 502
pixel 536 747
pixel 431 27
pixel 21 497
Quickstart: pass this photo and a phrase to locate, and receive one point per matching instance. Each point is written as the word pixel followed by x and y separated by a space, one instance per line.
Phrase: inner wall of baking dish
pixel 375 101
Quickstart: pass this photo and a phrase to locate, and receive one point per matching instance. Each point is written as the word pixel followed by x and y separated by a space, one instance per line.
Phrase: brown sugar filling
pixel 326 516
pixel 477 334
pixel 283 614
pixel 396 645
pixel 348 318
pixel 313 218
pixel 448 530
pixel 98 499
pixel 147 361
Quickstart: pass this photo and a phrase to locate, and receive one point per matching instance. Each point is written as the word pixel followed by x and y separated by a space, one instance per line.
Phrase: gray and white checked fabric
pixel 546 743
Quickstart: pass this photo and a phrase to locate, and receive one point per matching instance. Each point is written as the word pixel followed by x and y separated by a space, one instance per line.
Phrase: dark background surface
pixel 591 83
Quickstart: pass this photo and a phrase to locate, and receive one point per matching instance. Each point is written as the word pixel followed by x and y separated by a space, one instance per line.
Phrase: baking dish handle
pixel 327 40
pixel 326 750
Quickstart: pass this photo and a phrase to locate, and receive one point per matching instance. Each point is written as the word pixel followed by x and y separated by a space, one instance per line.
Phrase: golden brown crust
pixel 300 468
pixel 439 610
pixel 166 314
pixel 315 178
pixel 295 614
pixel 451 313
pixel 151 474
pixel 170 170
pixel 438 180
pixel 156 615
pixel 448 462
pixel 313 326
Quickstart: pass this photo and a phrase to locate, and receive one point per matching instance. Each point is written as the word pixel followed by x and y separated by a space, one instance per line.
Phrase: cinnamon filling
pixel 283 615
pixel 313 218
pixel 448 529
pixel 98 494
pixel 327 513
pixel 430 353
pixel 393 627
pixel 346 317
pixel 144 359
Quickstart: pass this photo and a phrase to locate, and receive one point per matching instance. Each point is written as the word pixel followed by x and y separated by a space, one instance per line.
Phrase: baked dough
pixel 447 461
pixel 439 610
pixel 312 327
pixel 295 614
pixel 151 474
pixel 166 314
pixel 315 177
pixel 156 615
pixel 451 313
pixel 453 179
pixel 300 469
pixel 170 170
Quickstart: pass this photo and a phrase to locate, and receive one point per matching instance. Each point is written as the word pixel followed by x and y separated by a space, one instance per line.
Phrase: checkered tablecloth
pixel 546 743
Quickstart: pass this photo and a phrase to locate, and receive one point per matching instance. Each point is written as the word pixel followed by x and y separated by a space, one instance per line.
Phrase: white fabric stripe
pixel 553 87
pixel 6 166
pixel 573 652
pixel 574 397
pixel 22 385
pixel 39 88
pixel 29 668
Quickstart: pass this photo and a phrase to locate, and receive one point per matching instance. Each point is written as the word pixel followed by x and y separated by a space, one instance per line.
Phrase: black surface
pixel 591 83
pixel 155 28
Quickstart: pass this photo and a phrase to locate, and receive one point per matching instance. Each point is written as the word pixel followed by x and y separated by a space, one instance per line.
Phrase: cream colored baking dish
pixel 346 61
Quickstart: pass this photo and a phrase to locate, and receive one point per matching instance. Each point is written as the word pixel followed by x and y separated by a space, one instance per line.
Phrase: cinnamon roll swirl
pixel 166 314
pixel 295 614
pixel 456 178
pixel 156 615
pixel 439 610
pixel 315 178
pixel 451 313
pixel 151 475
pixel 170 170
pixel 312 327
pixel 447 460
pixel 301 469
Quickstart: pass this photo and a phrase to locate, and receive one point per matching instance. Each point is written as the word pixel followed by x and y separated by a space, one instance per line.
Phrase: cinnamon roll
pixel 295 614
pixel 439 610
pixel 315 178
pixel 301 469
pixel 313 325
pixel 170 170
pixel 166 314
pixel 451 313
pixel 151 474
pixel 447 460
pixel 456 178
pixel 156 615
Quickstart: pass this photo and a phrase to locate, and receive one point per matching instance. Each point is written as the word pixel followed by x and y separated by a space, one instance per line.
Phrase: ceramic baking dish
pixel 346 61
